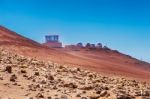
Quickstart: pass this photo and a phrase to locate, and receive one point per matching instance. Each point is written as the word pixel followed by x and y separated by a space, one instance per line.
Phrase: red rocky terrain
pixel 29 70
pixel 102 60
pixel 28 78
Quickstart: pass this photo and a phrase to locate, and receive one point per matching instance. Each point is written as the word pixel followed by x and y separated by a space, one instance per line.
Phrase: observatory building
pixel 52 41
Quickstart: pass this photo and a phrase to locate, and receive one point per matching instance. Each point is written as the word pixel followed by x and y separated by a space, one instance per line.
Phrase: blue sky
pixel 121 24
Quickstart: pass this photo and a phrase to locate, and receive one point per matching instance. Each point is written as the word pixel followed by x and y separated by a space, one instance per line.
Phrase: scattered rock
pixel 70 85
pixel 39 95
pixel 49 97
pixel 27 94
pixel 62 82
pixel 1 78
pixel 125 97
pixel 64 97
pixel 83 91
pixel 50 77
pixel 78 69
pixel 8 69
pixel 43 82
pixel 78 95
pixel 87 87
pixel 33 87
pixel 13 78
pixel 98 92
pixel 23 71
pixel 103 93
pixel 37 74
pixel 94 97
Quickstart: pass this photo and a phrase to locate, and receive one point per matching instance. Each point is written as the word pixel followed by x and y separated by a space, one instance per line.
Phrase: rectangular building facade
pixel 52 41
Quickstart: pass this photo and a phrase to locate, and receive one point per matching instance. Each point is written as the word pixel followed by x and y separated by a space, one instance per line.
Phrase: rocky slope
pixel 104 61
pixel 28 78
pixel 9 37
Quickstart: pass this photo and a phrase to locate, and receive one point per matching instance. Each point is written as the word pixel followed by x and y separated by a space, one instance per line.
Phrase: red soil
pixel 104 61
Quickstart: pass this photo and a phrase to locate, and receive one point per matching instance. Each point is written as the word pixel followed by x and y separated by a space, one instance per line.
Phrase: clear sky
pixel 123 25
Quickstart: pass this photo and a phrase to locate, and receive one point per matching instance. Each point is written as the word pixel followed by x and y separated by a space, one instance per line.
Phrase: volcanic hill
pixel 104 61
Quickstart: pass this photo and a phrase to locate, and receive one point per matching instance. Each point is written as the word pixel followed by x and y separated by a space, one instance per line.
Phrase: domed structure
pixel 52 41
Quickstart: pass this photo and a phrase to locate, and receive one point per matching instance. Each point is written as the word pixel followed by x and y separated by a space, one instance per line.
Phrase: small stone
pixel 15 84
pixel 103 93
pixel 125 97
pixel 39 95
pixel 61 67
pixel 78 95
pixel 94 97
pixel 37 74
pixel 27 94
pixel 23 66
pixel 41 89
pixel 84 92
pixel 33 80
pixel 32 87
pixel 1 78
pixel 86 88
pixel 64 97
pixel 98 92
pixel 50 77
pixel 49 97
pixel 55 87
pixel 23 71
pixel 78 69
pixel 25 76
pixel 71 85
pixel 105 88
pixel 13 78
pixel 84 98
pixel 8 69
pixel 43 82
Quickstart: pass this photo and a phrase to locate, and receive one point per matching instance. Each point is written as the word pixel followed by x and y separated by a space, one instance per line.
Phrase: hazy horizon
pixel 122 25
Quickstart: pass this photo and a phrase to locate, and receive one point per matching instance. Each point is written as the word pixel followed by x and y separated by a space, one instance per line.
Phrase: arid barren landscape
pixel 74 49
pixel 105 61
pixel 30 70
